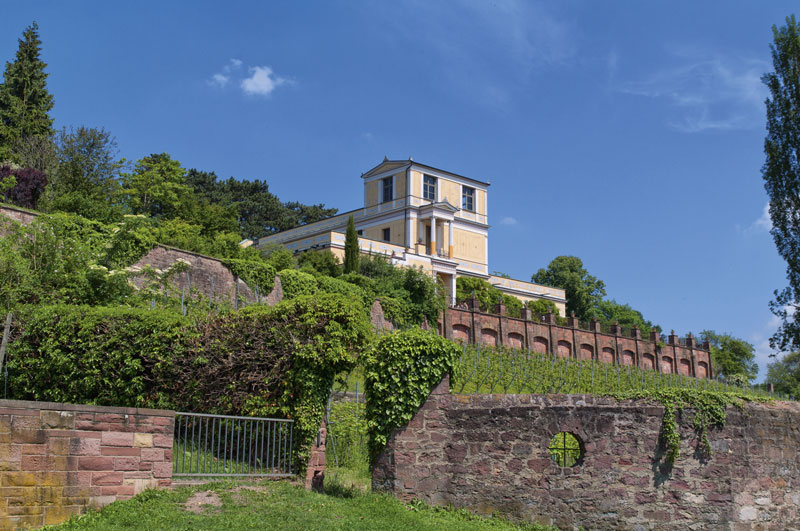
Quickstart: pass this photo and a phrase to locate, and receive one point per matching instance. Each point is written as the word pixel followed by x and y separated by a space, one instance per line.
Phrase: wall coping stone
pixel 57 406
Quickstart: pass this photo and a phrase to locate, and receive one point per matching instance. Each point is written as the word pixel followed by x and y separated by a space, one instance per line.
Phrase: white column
pixel 434 243
pixel 453 289
pixel 421 231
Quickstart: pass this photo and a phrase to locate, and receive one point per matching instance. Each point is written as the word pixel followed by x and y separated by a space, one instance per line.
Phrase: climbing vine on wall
pixel 399 374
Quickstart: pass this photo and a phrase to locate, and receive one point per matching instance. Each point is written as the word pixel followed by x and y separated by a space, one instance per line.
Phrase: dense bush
pixel 96 355
pixel 56 259
pixel 297 283
pixel 352 291
pixel 29 185
pixel 324 262
pixel 266 361
pixel 488 296
pixel 255 273
pixel 411 294
pixel 399 373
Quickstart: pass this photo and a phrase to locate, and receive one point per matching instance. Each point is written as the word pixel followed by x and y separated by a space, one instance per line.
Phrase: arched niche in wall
pixel 539 344
pixel 648 361
pixel 586 352
pixel 607 355
pixel 564 349
pixel 686 367
pixel 667 366
pixel 702 369
pixel 628 357
pixel 515 340
pixel 489 337
pixel 461 333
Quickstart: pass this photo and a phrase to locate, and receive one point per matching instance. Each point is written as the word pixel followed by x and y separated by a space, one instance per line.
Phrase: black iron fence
pixel 224 445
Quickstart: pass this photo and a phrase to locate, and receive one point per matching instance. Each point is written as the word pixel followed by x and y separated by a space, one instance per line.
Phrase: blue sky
pixel 628 133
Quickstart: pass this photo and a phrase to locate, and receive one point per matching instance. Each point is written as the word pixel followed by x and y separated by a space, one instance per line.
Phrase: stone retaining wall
pixel 489 453
pixel 58 459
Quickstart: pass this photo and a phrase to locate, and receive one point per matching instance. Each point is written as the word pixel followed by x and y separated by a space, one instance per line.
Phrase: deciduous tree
pixel 583 291
pixel 781 173
pixel 87 179
pixel 784 375
pixel 731 356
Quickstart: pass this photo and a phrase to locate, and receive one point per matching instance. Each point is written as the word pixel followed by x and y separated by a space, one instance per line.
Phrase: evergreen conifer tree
pixel 24 99
pixel 781 174
pixel 351 247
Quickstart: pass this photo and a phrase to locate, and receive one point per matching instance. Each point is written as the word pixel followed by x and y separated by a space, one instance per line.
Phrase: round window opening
pixel 565 449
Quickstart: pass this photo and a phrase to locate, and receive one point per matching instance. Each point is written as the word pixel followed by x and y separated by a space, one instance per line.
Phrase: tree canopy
pixel 86 181
pixel 731 356
pixel 24 99
pixel 610 311
pixel 784 375
pixel 781 173
pixel 260 212
pixel 583 291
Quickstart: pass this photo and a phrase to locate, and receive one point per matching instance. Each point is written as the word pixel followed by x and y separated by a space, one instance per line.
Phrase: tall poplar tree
pixel 24 99
pixel 781 173
pixel 351 247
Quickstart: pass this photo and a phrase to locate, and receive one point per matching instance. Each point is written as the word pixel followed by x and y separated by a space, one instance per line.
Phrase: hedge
pixel 264 361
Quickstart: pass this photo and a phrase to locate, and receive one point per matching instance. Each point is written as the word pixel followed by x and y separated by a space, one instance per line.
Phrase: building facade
pixel 418 216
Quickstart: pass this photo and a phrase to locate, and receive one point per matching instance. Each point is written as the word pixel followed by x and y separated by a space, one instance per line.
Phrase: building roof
pixel 402 164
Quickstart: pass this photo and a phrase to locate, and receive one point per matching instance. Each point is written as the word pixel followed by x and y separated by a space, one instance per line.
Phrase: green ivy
pixel 399 374
pixel 709 407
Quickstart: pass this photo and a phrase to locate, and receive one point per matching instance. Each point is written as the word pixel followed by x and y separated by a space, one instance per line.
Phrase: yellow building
pixel 421 216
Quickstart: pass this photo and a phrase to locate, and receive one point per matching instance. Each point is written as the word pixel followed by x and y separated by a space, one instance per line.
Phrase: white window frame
pixel 425 185
pixel 471 195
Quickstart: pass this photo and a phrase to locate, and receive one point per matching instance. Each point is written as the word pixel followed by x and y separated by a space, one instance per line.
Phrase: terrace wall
pixel 489 453
pixel 58 459
pixel 542 334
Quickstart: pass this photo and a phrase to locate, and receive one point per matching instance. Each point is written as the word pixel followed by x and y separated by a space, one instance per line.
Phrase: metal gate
pixel 224 445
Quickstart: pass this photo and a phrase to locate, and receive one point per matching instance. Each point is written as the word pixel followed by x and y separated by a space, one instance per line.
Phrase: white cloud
pixel 707 92
pixel 261 82
pixel 764 222
pixel 761 225
pixel 508 220
pixel 220 80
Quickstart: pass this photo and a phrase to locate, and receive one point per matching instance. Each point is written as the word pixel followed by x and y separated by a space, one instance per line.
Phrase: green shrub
pixel 324 262
pixel 399 373
pixel 334 285
pixel 542 306
pixel 297 283
pixel 253 273
pixel 266 361
pixel 96 355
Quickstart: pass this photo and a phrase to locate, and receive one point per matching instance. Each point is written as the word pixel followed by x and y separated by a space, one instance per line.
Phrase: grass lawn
pixel 277 505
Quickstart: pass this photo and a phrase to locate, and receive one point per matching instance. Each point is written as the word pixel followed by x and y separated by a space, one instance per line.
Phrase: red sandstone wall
pixel 476 327
pixel 489 453
pixel 58 459
pixel 17 214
